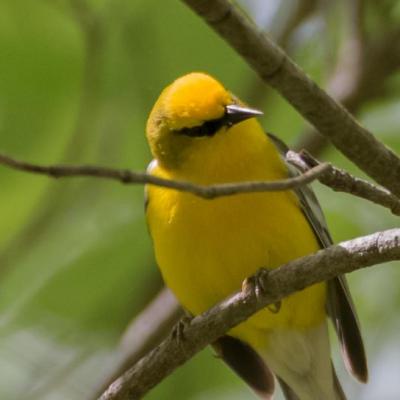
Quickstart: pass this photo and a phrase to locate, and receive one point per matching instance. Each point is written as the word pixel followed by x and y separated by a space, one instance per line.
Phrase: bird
pixel 198 131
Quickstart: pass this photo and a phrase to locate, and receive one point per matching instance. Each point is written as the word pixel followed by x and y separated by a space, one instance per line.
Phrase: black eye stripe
pixel 234 114
pixel 208 128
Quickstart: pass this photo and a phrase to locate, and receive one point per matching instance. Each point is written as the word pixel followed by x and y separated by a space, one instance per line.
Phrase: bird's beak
pixel 235 114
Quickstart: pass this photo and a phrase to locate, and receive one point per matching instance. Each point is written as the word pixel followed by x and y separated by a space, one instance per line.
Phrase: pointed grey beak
pixel 235 114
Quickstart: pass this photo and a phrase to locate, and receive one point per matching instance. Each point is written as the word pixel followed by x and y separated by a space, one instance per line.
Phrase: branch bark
pixel 326 173
pixel 342 181
pixel 132 177
pixel 277 69
pixel 281 282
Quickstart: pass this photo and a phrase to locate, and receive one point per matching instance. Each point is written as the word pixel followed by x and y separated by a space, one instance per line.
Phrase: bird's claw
pixel 257 283
pixel 178 331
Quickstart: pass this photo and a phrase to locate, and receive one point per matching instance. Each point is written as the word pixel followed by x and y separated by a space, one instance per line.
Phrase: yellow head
pixel 194 107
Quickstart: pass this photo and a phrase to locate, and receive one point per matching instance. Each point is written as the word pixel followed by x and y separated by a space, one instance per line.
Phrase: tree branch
pixel 276 68
pixel 327 174
pixel 341 181
pixel 279 283
pixel 131 177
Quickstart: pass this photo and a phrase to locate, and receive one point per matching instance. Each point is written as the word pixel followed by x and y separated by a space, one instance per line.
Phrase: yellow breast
pixel 206 248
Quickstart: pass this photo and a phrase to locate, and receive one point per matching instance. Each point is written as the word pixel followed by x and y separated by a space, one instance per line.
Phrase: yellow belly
pixel 205 249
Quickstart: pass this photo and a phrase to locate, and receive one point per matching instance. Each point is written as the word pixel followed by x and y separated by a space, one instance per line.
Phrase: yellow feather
pixel 205 249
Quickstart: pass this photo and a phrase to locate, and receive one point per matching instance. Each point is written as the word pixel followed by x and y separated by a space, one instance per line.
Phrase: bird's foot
pixel 258 282
pixel 178 331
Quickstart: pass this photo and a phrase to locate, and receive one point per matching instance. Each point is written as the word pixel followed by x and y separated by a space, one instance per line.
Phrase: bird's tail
pixel 301 361
pixel 338 387
pixel 290 395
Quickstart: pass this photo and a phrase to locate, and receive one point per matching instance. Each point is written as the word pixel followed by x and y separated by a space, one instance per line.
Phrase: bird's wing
pixel 247 364
pixel 290 395
pixel 340 306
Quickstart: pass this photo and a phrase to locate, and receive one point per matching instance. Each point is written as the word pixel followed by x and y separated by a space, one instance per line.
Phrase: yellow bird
pixel 199 132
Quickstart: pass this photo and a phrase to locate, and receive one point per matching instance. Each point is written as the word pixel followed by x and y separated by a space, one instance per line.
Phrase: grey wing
pixel 340 306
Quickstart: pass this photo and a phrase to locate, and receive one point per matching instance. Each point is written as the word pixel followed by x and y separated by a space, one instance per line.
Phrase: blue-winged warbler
pixel 199 132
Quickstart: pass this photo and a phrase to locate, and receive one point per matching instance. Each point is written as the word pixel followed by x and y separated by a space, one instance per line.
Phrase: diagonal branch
pixel 208 327
pixel 276 68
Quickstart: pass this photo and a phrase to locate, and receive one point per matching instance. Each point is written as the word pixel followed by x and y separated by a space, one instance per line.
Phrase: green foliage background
pixel 77 81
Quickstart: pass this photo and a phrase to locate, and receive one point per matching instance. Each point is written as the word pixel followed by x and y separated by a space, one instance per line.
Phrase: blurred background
pixel 77 81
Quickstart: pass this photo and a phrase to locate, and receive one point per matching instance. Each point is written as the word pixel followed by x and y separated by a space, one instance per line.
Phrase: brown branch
pixel 324 113
pixel 279 283
pixel 341 181
pixel 337 179
pixel 131 177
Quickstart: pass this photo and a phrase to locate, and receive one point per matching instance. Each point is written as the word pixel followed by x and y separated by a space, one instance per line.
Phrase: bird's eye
pixel 234 114
pixel 208 128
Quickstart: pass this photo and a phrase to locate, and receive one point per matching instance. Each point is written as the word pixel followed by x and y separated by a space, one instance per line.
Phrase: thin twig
pixel 322 111
pixel 131 177
pixel 342 181
pixel 327 174
pixel 209 326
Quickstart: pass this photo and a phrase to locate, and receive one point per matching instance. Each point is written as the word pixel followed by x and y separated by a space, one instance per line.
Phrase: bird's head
pixel 194 107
